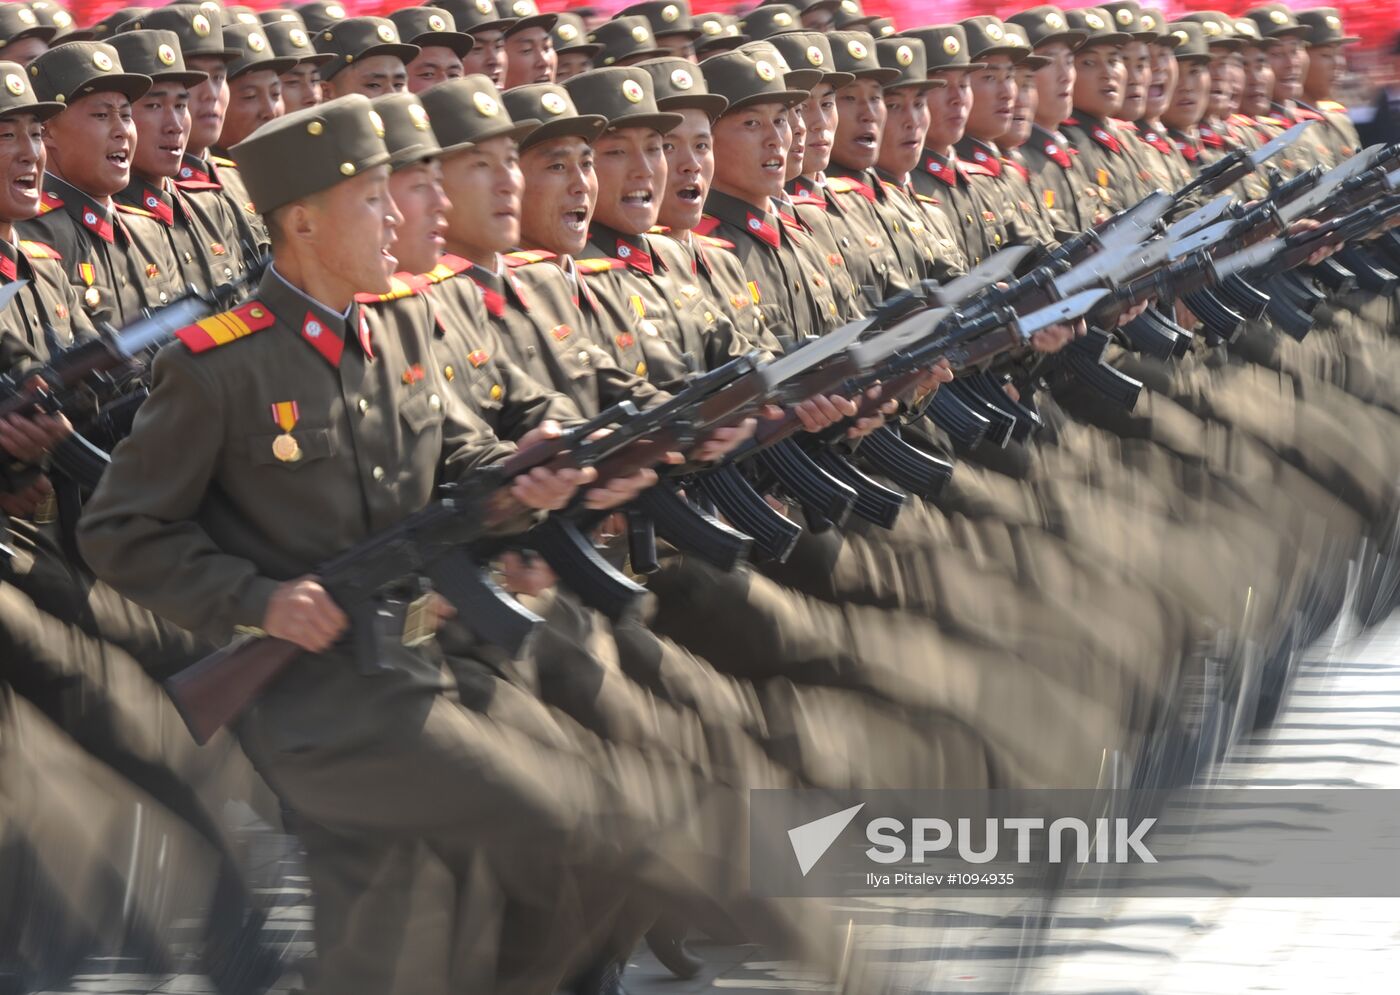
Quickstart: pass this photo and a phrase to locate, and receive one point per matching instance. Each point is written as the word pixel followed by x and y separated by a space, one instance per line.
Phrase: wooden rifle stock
pixel 216 690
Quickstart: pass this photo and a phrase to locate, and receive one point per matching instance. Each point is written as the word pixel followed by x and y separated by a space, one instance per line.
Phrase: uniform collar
pixel 980 153
pixel 762 225
pixel 499 287
pixel 1100 131
pixel 159 199
pixel 863 180
pixel 886 178
pixel 197 173
pixel 13 263
pixel 634 250
pixel 1055 145
pixel 940 166
pixel 321 328
pixel 98 218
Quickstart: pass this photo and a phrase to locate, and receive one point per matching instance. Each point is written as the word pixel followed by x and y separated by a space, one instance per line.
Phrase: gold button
pixel 363 406
pixel 164 297
pixel 435 402
pixel 583 356
pixel 377 473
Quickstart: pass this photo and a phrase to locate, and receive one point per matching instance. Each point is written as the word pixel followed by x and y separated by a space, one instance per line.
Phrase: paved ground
pixel 1340 729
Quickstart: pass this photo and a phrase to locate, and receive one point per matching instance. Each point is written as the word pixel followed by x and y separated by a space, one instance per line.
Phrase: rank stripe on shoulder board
pixel 38 250
pixel 221 329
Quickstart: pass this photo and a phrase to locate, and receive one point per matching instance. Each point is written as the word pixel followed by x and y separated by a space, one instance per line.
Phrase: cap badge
pixel 256 42
pixel 1181 37
pixel 670 12
pixel 298 38
pixel 641 34
pixel 765 71
pixel 857 49
pixel 1211 28
pixel 633 91
pixel 951 45
pixel 1094 21
pixel 436 23
pixel 711 27
pixel 994 32
pixel 850 7
pixel 386 33
pixel 419 117
pixel 102 61
pixel 1125 16
pixel 904 55
pixel 62 18
pixel 815 55
pixel 485 6
pixel 1055 21
pixel 553 103
pixel 682 80
pixel 201 26
pixel 377 123
pixel 523 8
pixel 1278 17
pixel 782 18
pixel 485 104
pixel 566 32
pixel 1333 21
pixel 25 15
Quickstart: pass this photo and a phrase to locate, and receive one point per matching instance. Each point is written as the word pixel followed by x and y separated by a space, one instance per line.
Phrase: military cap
pixel 623 96
pixel 1016 38
pixel 468 111
pixel 408 135
pixel 106 27
pixel 1191 44
pixel 1276 21
pixel 1244 33
pixel 275 15
pixel 854 52
pixel 551 105
pixel 850 16
pixel 256 51
pixel 424 26
pixel 986 36
pixel 53 15
pixel 625 37
pixel 1219 29
pixel 803 77
pixel 330 143
pixel 1324 26
pixel 719 33
pixel 361 38
pixel 289 40
pixel 241 15
pixel 321 14
pixel 569 34
pixel 744 81
pixel 1127 17
pixel 1154 28
pixel 771 19
pixel 474 15
pixel 679 86
pixel 1098 26
pixel 881 27
pixel 805 5
pixel 811 50
pixel 945 47
pixel 906 57
pixel 157 55
pixel 18 21
pixel 666 17
pixel 527 15
pixel 18 96
pixel 201 32
pixel 78 68
pixel 1046 25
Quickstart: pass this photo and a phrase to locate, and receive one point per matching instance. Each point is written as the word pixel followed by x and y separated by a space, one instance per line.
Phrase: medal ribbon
pixel 285 415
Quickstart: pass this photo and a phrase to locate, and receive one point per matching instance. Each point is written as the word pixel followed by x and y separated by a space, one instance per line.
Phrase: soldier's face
pixel 1189 102
pixel 162 119
pixel 435 63
pixel 948 109
pixel 560 190
pixel 680 46
pixel 1164 76
pixel 301 87
pixel 860 121
pixel 1325 65
pixel 1258 91
pixel 488 56
pixel 751 146
pixel 690 168
pixel 819 19
pixel 631 168
pixel 1098 80
pixel 22 163
pixel 419 240
pixel 1227 83
pixel 374 77
pixel 1137 65
pixel 26 50
pixel 1290 61
pixel 906 123
pixel 571 64
pixel 91 143
pixel 993 99
pixel 1023 114
pixel 348 230
pixel 1054 85
pixel 484 185
pixel 819 118
pixel 797 148
pixel 254 99
pixel 208 102
pixel 529 57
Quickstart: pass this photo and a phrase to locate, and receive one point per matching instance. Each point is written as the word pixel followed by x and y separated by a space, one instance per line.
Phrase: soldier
pixel 671 25
pixel 369 58
pixel 301 84
pixel 818 15
pixel 441 47
pixel 481 20
pixel 572 49
pixel 254 83
pixel 771 19
pixel 22 35
pixel 1190 96
pixel 1222 128
pixel 116 256
pixel 721 34
pixel 529 51
pixel 1326 40
pixel 625 41
pixel 198 234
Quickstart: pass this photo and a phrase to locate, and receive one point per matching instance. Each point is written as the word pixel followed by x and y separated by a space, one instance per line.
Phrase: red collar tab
pixel 635 256
pixel 1056 152
pixel 9 269
pixel 99 226
pixel 707 224
pixel 760 228
pixel 989 162
pixel 1022 171
pixel 366 340
pixel 1102 136
pixel 324 340
pixel 1188 150
pixel 943 171
pixel 1156 141
pixel 156 204
pixel 1211 138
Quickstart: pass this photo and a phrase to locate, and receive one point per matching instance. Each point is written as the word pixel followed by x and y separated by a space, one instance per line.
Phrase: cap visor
pixel 546 21
pixel 132 86
pixel 711 103
pixel 641 53
pixel 587 51
pixel 183 79
pixel 318 59
pixel 42 109
pixel 802 79
pixel 691 34
pixel 712 45
pixel 1036 62
pixel 500 25
pixel 519 130
pixel 278 65
pixel 459 42
pixel 411 155
pixel 1116 38
pixel 585 126
pixel 1017 53
pixel 1071 38
pixel 917 84
pixel 406 53
pixel 882 76
pixel 788 98
pixel 657 122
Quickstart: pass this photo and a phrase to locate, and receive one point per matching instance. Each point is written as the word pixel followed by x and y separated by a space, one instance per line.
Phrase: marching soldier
pixel 529 50
pixel 625 41
pixel 671 26
pixel 441 47
pixel 23 35
pixel 301 84
pixel 254 82
pixel 487 27
pixel 369 58
pixel 1326 40
pixel 574 53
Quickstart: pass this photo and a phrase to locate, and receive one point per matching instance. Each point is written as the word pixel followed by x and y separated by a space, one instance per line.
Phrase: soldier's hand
pixel 818 413
pixel 723 441
pixel 864 426
pixel 1308 224
pixel 28 437
pixel 301 612
pixel 25 501
pixel 619 491
pixel 1053 338
pixel 1133 313
pixel 526 576
pixel 548 490
pixel 934 377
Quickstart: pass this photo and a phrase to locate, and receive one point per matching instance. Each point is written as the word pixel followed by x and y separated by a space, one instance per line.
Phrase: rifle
pixel 1234 166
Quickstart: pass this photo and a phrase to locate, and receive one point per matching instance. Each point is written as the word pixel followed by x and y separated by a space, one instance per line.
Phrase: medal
pixel 91 297
pixel 285 447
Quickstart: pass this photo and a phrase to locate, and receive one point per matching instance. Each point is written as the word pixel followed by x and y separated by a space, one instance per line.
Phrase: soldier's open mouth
pixel 1155 91
pixel 690 193
pixel 867 139
pixel 642 197
pixel 577 219
pixel 118 158
pixel 27 181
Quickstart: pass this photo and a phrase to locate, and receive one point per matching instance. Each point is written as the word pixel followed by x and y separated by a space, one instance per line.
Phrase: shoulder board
pixel 194 186
pixel 716 243
pixel 219 160
pixel 1119 122
pixel 1266 119
pixel 525 258
pixel 38 250
pixel 602 265
pixel 839 184
pixel 1331 106
pixel 924 198
pixel 808 200
pixel 1303 114
pixel 49 202
pixel 707 224
pixel 448 265
pixel 221 329
pixel 1241 119
pixel 129 209
pixel 401 285
pixel 658 230
pixel 973 169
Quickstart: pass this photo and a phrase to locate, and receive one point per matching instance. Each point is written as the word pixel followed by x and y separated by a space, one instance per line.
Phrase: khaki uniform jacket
pixel 202 512
pixel 872 270
pixel 1333 129
pixel 1072 200
pixel 722 278
pixel 1165 156
pixel 217 178
pixel 947 183
pixel 202 236
pixel 116 260
pixel 1003 187
pixel 1214 140
pixel 1106 152
pixel 45 315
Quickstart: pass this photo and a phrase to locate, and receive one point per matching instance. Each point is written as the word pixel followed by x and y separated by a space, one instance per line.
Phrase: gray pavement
pixel 1339 728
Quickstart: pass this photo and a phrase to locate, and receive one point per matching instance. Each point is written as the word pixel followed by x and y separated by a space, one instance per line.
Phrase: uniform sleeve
pixel 139 531
pixel 616 384
pixel 528 402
